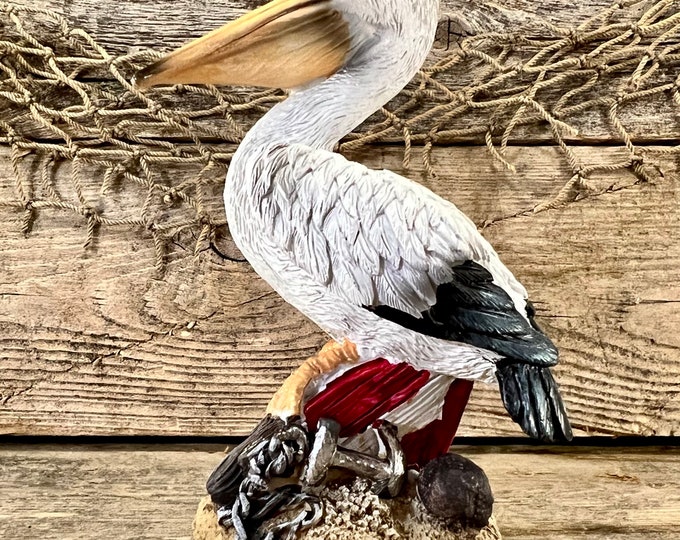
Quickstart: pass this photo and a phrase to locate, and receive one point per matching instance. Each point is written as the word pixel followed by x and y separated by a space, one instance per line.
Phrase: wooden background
pixel 92 343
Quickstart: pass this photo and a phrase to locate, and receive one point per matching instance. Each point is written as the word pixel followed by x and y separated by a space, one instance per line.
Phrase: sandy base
pixel 354 513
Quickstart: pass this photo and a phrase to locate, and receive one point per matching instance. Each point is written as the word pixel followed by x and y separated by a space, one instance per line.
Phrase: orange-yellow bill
pixel 283 44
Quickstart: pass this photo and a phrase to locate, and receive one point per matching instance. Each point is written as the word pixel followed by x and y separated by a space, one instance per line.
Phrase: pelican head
pixel 295 43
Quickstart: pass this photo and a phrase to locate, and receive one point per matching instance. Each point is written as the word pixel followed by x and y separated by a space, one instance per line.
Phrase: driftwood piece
pixel 151 492
pixel 92 342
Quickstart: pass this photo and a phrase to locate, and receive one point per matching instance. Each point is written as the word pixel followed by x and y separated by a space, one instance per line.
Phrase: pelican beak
pixel 283 44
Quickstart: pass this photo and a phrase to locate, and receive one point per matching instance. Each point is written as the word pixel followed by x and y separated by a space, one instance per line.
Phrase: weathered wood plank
pixel 170 23
pixel 646 122
pixel 129 26
pixel 84 492
pixel 583 492
pixel 91 342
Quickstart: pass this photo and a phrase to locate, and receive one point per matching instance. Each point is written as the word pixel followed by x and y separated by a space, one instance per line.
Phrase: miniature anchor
pixel 387 474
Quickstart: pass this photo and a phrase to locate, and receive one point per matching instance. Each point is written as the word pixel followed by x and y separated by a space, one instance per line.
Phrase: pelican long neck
pixel 323 113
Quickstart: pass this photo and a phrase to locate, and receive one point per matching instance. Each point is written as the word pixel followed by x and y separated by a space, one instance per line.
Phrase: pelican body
pixel 399 277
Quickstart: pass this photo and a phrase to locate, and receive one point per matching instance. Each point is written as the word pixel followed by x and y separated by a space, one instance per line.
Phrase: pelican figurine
pixel 416 301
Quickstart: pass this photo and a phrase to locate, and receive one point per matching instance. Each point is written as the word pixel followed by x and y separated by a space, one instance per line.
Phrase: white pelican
pixel 416 300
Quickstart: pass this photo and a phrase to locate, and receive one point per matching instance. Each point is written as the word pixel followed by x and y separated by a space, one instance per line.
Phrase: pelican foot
pixel 244 486
pixel 386 474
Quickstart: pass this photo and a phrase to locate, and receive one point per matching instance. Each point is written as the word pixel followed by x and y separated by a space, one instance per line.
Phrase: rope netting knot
pixel 157 160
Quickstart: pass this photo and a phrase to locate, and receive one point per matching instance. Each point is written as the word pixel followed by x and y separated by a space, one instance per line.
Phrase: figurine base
pixel 353 512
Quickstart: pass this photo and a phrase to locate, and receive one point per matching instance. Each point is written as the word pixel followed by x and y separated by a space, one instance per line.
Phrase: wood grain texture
pixel 170 23
pixel 91 342
pixel 129 26
pixel 151 493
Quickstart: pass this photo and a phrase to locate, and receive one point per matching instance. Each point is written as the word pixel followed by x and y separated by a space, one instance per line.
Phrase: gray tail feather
pixel 224 482
pixel 532 398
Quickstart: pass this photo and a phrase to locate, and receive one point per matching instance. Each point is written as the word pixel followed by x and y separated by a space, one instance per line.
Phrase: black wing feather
pixel 532 398
pixel 472 309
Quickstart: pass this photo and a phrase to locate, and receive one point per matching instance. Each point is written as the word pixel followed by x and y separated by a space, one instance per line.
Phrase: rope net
pixel 68 107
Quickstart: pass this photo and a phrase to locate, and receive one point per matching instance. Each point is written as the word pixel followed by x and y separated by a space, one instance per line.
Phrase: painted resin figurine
pixel 417 303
